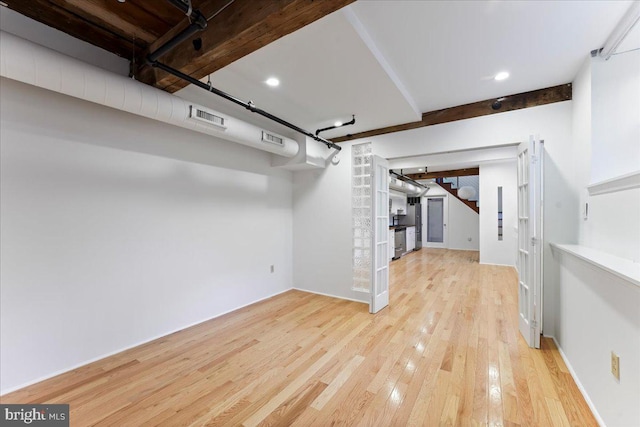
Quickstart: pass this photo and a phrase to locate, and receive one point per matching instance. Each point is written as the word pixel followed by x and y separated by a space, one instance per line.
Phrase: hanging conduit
pixel 199 23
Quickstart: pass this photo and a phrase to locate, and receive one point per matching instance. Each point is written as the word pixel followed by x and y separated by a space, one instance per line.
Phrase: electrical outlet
pixel 615 365
pixel 273 268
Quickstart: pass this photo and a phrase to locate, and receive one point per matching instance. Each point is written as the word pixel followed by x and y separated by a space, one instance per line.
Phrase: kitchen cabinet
pixel 411 238
pixel 397 201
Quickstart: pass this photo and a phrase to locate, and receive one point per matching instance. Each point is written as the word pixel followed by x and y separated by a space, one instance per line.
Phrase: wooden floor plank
pixel 447 351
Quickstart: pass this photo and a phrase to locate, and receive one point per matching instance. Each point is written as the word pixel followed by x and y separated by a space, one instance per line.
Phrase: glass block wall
pixel 361 215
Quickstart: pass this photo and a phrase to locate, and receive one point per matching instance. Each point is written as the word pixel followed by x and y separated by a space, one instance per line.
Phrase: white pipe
pixel 626 24
pixel 39 66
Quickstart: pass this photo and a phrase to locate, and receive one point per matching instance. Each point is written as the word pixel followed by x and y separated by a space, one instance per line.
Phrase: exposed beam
pixel 106 15
pixel 243 27
pixel 444 174
pixel 476 109
pixel 65 20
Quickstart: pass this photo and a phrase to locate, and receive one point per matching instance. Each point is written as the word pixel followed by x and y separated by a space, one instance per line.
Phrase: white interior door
pixel 530 240
pixel 437 216
pixel 380 253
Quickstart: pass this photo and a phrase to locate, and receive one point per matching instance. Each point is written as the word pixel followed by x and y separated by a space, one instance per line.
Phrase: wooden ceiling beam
pixel 206 7
pixel 444 174
pixel 477 109
pixel 77 26
pixel 243 27
pixel 109 18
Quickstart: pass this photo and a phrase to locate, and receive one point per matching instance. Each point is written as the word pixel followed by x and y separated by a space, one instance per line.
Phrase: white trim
pixel 499 265
pixel 363 290
pixel 620 183
pixel 331 296
pixel 623 268
pixel 578 383
pixel 104 356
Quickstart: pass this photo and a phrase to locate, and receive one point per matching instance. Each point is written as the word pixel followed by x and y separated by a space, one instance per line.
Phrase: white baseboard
pixel 330 295
pixel 579 384
pixel 95 359
pixel 499 265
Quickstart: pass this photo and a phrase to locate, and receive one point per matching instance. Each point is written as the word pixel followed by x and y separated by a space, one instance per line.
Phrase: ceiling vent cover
pixel 272 138
pixel 207 117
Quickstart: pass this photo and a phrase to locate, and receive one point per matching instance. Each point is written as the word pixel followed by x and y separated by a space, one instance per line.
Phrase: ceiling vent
pixel 272 138
pixel 207 117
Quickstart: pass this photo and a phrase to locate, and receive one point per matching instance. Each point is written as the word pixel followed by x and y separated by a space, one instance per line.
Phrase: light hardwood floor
pixel 445 352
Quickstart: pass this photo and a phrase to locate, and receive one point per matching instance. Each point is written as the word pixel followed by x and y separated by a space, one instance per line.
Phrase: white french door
pixel 380 253
pixel 530 240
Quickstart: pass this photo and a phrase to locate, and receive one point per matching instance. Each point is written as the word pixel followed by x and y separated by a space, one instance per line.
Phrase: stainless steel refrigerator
pixel 416 211
pixel 414 218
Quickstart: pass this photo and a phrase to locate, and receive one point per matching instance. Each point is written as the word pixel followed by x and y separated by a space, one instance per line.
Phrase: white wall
pixel 565 165
pixel 322 235
pixel 322 205
pixel 614 144
pixel 592 313
pixel 493 175
pixel 552 122
pixel 599 313
pixel 117 229
pixel 615 93
pixel 613 225
pixel 464 224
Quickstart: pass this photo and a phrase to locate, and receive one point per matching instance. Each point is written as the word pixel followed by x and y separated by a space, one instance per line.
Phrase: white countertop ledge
pixel 621 267
pixel 619 183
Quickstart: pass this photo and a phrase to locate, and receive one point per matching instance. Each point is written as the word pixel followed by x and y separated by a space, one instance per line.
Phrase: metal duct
pixel 39 66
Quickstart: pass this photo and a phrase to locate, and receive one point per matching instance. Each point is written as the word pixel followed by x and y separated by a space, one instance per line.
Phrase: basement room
pixel 315 213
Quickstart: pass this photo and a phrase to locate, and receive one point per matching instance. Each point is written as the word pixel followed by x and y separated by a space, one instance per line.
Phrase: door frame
pixel 445 221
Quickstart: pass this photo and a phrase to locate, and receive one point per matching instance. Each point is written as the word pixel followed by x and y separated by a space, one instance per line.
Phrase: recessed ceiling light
pixel 272 81
pixel 502 75
pixel 338 123
pixel 420 170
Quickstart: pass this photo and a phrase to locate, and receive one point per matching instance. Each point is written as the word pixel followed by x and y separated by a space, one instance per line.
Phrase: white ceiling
pixel 387 61
pixel 437 162
pixel 327 73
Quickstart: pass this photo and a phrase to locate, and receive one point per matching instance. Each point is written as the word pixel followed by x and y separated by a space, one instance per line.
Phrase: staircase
pixel 450 185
